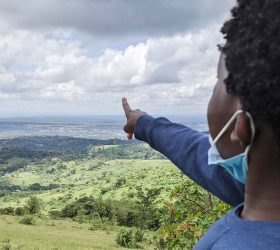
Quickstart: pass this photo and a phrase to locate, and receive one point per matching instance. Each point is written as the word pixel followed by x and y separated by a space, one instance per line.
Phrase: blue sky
pixel 79 57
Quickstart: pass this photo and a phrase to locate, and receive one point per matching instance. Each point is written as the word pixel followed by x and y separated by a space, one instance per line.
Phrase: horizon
pixel 91 127
pixel 101 116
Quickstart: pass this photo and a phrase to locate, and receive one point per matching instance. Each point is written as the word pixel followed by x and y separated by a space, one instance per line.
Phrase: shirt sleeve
pixel 188 150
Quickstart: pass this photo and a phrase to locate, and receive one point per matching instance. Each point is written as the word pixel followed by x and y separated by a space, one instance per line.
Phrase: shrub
pixel 154 219
pixel 19 211
pixel 187 216
pixel 128 218
pixel 7 210
pixel 33 205
pixel 28 220
pixel 55 214
pixel 130 195
pixel 6 244
pixel 89 207
pixel 36 187
pixel 139 235
pixel 125 238
pixel 3 193
pixel 104 190
pixel 147 200
pixel 120 182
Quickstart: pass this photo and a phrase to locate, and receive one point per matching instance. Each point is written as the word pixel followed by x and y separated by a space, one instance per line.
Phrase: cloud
pixel 47 66
pixel 176 69
pixel 63 91
pixel 114 18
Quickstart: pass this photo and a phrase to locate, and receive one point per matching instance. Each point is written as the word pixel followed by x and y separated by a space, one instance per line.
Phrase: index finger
pixel 126 106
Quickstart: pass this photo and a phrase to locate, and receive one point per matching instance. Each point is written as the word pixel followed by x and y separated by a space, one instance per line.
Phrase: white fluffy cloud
pixel 174 70
pixel 52 71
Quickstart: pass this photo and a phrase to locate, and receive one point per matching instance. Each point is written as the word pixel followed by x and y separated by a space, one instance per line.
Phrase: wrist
pixel 141 126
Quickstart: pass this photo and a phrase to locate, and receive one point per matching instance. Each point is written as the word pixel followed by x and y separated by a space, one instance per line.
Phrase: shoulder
pixel 233 233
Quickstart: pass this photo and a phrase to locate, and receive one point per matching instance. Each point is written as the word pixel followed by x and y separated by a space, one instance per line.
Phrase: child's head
pixel 253 58
pixel 248 77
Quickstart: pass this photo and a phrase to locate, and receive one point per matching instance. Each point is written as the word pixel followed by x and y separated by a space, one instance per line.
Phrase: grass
pixel 55 234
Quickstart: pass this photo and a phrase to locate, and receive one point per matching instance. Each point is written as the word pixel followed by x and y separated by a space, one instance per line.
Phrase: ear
pixel 241 133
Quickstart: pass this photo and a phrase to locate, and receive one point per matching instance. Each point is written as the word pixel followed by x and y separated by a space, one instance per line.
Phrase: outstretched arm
pixel 187 149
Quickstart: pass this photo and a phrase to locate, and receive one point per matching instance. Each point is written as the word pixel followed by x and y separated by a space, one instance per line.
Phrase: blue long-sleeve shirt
pixel 187 149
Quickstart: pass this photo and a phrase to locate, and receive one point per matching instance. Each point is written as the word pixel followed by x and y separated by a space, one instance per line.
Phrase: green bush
pixel 33 205
pixel 19 211
pixel 139 235
pixel 55 214
pixel 128 218
pixel 88 207
pixel 188 215
pixel 104 190
pixel 28 220
pixel 120 182
pixel 6 244
pixel 7 211
pixel 125 238
pixel 130 195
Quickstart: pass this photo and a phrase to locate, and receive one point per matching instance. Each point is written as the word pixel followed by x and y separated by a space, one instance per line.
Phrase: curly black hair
pixel 252 53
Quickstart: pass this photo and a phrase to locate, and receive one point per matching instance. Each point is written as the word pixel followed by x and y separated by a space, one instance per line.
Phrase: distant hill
pixel 58 144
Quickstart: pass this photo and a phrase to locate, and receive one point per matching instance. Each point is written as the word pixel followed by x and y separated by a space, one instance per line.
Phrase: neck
pixel 262 194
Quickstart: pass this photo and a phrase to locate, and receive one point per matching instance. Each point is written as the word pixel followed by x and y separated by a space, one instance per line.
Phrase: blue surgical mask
pixel 237 165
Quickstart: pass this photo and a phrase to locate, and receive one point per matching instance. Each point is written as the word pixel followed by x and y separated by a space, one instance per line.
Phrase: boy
pixel 242 150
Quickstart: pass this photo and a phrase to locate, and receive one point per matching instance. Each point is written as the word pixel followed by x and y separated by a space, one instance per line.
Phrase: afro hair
pixel 252 53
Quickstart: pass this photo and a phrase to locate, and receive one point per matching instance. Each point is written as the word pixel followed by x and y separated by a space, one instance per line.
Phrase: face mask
pixel 237 166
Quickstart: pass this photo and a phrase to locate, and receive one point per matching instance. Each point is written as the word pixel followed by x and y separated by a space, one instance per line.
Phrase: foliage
pixel 14 166
pixel 139 235
pixel 89 207
pixel 104 185
pixel 147 205
pixel 10 150
pixel 37 187
pixel 27 220
pixel 128 215
pixel 6 244
pixel 52 145
pixel 6 187
pixel 123 151
pixel 126 238
pixel 120 182
pixel 19 211
pixel 33 205
pixel 189 214
pixel 7 210
pixel 55 214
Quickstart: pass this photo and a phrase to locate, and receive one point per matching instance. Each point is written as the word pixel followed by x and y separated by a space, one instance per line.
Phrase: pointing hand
pixel 132 117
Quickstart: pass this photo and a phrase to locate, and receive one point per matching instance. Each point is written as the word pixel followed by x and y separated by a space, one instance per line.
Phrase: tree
pixel 33 205
pixel 188 214
pixel 147 199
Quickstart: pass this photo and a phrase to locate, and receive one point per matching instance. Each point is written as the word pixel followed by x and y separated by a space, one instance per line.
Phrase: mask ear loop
pixel 253 131
pixel 228 124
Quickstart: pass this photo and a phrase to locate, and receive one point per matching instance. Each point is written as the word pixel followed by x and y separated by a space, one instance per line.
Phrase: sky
pixel 80 57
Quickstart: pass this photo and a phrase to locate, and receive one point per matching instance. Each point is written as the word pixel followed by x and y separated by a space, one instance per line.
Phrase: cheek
pixel 218 109
pixel 211 113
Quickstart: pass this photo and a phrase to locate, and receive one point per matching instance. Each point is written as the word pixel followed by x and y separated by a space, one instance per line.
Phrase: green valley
pixel 68 193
